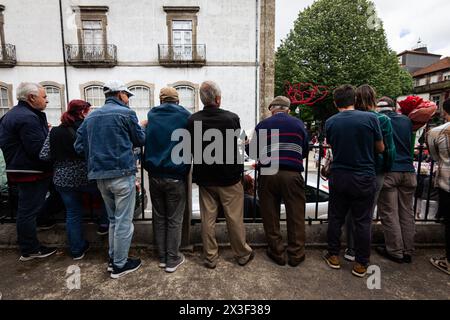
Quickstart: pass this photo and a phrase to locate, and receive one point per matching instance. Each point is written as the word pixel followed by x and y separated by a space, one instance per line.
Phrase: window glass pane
pixel 187 97
pixel 95 96
pixel 140 102
pixel 181 25
pixel 54 107
pixel 4 103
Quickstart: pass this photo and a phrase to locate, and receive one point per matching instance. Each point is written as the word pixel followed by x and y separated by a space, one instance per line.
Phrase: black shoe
pixel 131 266
pixel 110 267
pixel 281 261
pixel 43 252
pixel 407 258
pixel 250 258
pixel 382 251
pixel 103 230
pixel 45 225
pixel 81 255
pixel 295 263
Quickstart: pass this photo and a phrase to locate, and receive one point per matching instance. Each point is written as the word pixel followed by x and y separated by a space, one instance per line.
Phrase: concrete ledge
pixel 316 235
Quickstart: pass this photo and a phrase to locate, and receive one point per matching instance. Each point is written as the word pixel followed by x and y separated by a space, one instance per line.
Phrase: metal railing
pixel 423 163
pixel 91 54
pixel 8 55
pixel 182 54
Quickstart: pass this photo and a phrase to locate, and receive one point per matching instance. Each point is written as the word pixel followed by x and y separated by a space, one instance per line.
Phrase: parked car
pixel 312 196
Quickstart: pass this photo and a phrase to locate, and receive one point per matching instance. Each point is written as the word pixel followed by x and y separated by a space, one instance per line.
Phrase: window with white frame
pixel 54 108
pixel 95 96
pixel 187 97
pixel 436 99
pixel 141 102
pixel 4 101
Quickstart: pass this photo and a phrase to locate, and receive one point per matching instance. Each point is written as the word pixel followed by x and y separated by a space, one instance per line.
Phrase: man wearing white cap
pixel 107 138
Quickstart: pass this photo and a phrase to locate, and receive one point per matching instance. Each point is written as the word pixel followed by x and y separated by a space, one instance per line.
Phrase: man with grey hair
pixel 287 184
pixel 23 131
pixel 220 182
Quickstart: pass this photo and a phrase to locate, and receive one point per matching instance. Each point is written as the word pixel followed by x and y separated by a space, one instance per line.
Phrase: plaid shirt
pixel 439 145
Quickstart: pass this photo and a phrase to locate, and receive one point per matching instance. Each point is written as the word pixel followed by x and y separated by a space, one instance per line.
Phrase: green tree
pixel 336 42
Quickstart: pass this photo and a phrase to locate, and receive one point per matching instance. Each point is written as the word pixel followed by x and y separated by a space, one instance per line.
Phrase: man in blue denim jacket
pixel 107 138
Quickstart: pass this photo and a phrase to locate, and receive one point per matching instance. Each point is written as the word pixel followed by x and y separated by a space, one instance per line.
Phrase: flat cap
pixel 280 101
pixel 169 94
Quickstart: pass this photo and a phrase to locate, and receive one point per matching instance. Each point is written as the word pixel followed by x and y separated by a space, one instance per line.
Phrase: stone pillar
pixel 266 56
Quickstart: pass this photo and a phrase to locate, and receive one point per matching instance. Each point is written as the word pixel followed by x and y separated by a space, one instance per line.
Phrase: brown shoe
pixel 281 261
pixel 359 270
pixel 296 262
pixel 250 258
pixel 209 264
pixel 332 261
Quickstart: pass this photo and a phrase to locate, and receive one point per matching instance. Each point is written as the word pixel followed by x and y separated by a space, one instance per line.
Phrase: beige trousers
pixel 232 200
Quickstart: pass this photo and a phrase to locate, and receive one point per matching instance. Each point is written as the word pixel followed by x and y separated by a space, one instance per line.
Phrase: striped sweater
pixel 286 148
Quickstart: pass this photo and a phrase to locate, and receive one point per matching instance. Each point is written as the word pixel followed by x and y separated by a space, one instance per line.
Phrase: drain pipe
pixel 64 51
pixel 257 106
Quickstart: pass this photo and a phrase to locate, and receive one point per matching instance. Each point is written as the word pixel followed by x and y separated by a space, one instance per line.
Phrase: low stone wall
pixel 316 235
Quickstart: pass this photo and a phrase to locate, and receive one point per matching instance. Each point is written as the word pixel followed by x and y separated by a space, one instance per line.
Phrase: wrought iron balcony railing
pixel 182 55
pixel 7 55
pixel 91 55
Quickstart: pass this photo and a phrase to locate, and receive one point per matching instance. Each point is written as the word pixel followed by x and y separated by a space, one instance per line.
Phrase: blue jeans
pixel 119 195
pixel 73 200
pixel 32 198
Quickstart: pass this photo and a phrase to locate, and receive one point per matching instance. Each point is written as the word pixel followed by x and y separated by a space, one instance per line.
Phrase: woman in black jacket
pixel 70 175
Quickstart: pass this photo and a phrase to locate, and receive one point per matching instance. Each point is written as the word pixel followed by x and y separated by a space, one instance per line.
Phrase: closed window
pixel 182 40
pixel 4 101
pixel 141 101
pixel 187 97
pixel 95 96
pixel 54 108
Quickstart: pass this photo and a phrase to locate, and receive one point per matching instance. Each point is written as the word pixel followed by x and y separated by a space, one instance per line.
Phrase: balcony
pixel 182 55
pixel 91 56
pixel 431 87
pixel 7 56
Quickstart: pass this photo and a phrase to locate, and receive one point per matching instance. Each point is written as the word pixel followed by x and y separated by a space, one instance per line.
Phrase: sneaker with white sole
pixel 82 254
pixel 43 252
pixel 331 260
pixel 441 264
pixel 349 255
pixel 359 270
pixel 162 265
pixel 110 265
pixel 175 267
pixel 132 265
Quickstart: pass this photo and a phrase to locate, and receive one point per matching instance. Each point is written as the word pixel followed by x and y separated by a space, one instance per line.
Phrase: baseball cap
pixel 116 86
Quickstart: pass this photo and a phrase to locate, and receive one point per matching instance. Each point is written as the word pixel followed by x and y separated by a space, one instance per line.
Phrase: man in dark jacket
pixel 167 179
pixel 218 172
pixel 22 134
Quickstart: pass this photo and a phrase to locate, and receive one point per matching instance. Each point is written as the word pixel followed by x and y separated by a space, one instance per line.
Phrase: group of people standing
pixel 372 166
pixel 93 152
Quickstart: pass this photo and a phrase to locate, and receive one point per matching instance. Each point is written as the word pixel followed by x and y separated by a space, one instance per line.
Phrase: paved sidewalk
pixel 260 280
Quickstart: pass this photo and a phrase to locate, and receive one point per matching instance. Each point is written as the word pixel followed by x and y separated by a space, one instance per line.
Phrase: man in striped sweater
pixel 286 145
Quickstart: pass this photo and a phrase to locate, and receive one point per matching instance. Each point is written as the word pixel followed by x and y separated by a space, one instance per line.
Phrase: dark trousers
pixel 32 199
pixel 290 187
pixel 349 191
pixel 168 206
pixel 444 212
